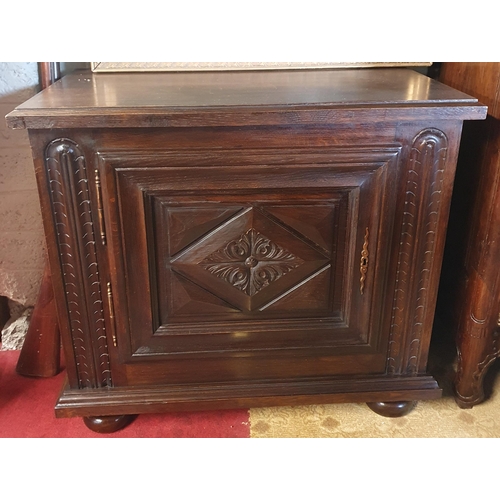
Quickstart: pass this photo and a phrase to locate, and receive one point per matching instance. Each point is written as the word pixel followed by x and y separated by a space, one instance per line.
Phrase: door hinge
pixel 100 210
pixel 111 313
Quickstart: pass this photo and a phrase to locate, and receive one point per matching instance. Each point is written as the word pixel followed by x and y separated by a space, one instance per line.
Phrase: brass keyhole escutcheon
pixel 364 263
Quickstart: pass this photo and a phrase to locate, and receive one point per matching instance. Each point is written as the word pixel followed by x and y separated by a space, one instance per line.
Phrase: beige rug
pixel 430 419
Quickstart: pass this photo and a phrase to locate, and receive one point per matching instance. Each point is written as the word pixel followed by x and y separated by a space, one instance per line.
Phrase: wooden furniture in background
pixel 471 273
pixel 41 350
pixel 224 240
pixel 49 72
pixel 4 312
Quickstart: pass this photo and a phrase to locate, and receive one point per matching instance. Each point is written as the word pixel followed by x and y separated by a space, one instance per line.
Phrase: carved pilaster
pixel 72 212
pixel 424 183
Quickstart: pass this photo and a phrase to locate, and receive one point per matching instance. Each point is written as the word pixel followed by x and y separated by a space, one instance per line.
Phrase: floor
pixel 440 418
pixel 430 419
pixel 26 410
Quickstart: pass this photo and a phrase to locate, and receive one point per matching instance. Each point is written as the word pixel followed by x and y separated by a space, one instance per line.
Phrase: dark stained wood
pixel 471 279
pixel 155 399
pixel 335 88
pixel 4 311
pixel 241 98
pixel 40 354
pixel 108 424
pixel 194 269
pixel 234 241
pixel 479 80
pixel 392 408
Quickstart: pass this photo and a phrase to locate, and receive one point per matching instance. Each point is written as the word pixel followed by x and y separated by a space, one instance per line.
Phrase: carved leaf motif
pixel 234 251
pixel 66 166
pixel 416 256
pixel 238 276
pixel 251 263
pixel 266 274
pixel 264 249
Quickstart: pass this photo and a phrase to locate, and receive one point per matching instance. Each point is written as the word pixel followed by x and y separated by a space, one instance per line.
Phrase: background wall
pixel 21 233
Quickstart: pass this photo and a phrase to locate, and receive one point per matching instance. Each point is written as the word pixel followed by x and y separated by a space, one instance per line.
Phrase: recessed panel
pixel 250 260
pixel 186 225
pixel 257 260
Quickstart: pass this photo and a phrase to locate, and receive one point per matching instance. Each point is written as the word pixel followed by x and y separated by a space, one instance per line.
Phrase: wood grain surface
pixel 208 234
pixel 87 99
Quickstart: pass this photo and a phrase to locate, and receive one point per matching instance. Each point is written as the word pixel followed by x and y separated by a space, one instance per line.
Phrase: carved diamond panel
pixel 250 260
pixel 251 263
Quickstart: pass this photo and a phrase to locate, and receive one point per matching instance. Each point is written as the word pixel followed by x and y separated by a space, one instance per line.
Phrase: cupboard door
pixel 256 253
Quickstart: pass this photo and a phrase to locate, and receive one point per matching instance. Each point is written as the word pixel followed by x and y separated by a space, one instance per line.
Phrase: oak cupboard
pixel 224 240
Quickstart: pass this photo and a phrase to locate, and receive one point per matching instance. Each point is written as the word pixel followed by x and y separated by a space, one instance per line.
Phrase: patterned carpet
pixel 440 418
pixel 26 410
pixel 430 419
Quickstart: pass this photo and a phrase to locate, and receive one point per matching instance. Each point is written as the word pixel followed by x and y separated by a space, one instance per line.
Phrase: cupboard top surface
pixel 76 97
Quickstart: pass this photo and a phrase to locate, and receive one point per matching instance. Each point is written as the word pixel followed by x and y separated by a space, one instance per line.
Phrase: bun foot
pixel 106 425
pixel 463 404
pixel 392 408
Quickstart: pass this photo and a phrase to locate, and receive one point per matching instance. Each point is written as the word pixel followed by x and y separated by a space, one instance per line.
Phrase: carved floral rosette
pixel 251 263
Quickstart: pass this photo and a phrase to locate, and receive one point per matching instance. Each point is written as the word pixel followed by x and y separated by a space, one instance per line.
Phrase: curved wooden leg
pixel 475 356
pixel 40 354
pixel 392 408
pixel 478 342
pixel 109 424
